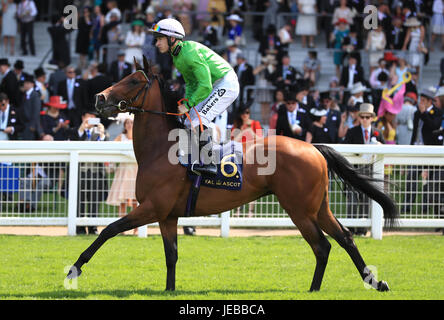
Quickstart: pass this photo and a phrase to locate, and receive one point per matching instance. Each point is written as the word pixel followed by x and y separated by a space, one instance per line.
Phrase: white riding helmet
pixel 169 27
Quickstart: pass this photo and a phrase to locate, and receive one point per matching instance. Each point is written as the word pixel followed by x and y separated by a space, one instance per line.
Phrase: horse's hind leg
pixel 343 236
pixel 320 246
pixel 168 228
pixel 138 217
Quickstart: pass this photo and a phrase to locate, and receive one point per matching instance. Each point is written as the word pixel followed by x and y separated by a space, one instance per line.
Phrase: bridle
pixel 127 106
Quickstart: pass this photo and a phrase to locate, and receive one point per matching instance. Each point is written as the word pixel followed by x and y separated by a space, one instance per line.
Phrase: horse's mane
pixel 170 99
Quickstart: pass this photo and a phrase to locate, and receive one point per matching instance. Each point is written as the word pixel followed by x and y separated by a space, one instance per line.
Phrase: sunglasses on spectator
pixel 292 102
pixel 246 112
pixel 365 117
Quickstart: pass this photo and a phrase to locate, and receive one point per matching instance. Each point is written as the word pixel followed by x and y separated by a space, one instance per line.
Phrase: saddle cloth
pixel 228 158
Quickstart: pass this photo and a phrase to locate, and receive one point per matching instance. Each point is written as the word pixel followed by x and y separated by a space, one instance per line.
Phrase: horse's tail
pixel 352 177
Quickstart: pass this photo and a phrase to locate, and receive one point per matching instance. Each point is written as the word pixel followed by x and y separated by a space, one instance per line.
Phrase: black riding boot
pixel 209 168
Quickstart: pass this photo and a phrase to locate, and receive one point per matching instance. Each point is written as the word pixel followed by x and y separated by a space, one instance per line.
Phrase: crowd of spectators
pixel 287 95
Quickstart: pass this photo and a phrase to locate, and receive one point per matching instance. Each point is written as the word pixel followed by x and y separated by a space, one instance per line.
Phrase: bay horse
pixel 300 182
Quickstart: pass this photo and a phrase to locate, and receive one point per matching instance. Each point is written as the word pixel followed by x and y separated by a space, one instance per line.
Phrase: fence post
pixel 72 194
pixel 225 224
pixel 377 212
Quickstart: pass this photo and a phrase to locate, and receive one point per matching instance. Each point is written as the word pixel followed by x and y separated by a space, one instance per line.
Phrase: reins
pixel 125 106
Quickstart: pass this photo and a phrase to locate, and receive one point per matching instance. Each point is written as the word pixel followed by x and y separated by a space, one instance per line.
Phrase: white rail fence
pixel 69 184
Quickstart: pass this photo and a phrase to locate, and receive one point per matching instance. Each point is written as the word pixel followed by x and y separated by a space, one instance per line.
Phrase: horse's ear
pixel 146 65
pixel 136 64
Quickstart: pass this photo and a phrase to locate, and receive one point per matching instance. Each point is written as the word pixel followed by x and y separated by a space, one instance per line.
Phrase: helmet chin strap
pixel 176 50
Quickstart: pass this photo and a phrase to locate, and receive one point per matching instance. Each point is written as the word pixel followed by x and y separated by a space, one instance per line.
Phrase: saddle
pixel 228 158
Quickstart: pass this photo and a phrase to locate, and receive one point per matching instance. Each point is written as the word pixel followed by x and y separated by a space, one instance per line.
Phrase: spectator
pixel 263 93
pixel 111 37
pixel 306 26
pixel 56 77
pixel 246 77
pixel 335 119
pixel 438 23
pixel 351 74
pixel 60 46
pixel 375 83
pixel 376 43
pixel 19 66
pixel 183 8
pixel 318 132
pixel 285 75
pixel 93 185
pixel 340 31
pixel 98 82
pixel 112 10
pixel 411 86
pixel 98 23
pixel 396 35
pixel 364 133
pixel 54 122
pixel 84 34
pixel 30 108
pixel 312 67
pixel 209 32
pixel 351 120
pixel 270 44
pixel 285 37
pixel 404 119
pixel 149 51
pixel 120 68
pixel 26 13
pixel 9 83
pixel 326 9
pixel 232 52
pixel 279 99
pixel 123 188
pixel 427 120
pixel 343 12
pixel 357 94
pixel 398 69
pixel 11 124
pixel 384 18
pixel 235 29
pixel 414 39
pixel 40 82
pixel 9 26
pixel 293 120
pixel 73 91
pixel 244 128
pixel 135 39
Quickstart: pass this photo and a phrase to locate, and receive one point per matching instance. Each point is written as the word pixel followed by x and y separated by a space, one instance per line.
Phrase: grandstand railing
pixel 414 175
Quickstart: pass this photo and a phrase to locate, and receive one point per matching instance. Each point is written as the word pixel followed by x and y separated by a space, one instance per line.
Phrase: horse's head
pixel 128 94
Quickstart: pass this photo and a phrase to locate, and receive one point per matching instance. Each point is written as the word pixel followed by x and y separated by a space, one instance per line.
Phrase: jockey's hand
pixel 182 109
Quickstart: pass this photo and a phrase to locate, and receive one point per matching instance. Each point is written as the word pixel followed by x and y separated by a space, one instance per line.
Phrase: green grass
pixel 127 267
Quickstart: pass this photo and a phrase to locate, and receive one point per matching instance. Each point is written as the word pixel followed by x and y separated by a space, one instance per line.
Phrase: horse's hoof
pixel 74 272
pixel 383 286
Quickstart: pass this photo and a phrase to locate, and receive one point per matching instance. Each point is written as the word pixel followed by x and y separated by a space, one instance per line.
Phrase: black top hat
pixel 39 72
pixel 324 95
pixel 28 78
pixel 290 95
pixel 19 65
pixel 4 61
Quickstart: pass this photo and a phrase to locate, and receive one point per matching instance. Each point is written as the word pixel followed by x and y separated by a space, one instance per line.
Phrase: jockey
pixel 211 83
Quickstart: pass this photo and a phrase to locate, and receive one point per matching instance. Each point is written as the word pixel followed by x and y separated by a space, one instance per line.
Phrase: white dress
pixel 133 39
pixel 9 23
pixel 377 42
pixel 438 17
pixel 414 55
pixel 306 24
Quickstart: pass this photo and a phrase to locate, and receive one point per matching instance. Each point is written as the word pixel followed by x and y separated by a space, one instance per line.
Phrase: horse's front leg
pixel 140 216
pixel 168 228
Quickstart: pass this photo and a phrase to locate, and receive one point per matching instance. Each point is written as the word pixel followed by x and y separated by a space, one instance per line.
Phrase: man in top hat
pixel 40 84
pixel 119 68
pixel 9 83
pixel 285 75
pixel 10 121
pixel 30 109
pixel 334 116
pixel 350 75
pixel 427 120
pixel 364 133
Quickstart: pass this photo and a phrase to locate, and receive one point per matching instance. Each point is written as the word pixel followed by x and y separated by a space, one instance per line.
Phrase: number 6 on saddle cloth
pixel 227 157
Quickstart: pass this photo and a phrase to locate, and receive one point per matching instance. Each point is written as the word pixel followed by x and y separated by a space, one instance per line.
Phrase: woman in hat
pixel 135 38
pixel 54 122
pixel 318 132
pixel 415 40
pixel 438 22
pixel 340 32
pixel 375 44
pixel 235 29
